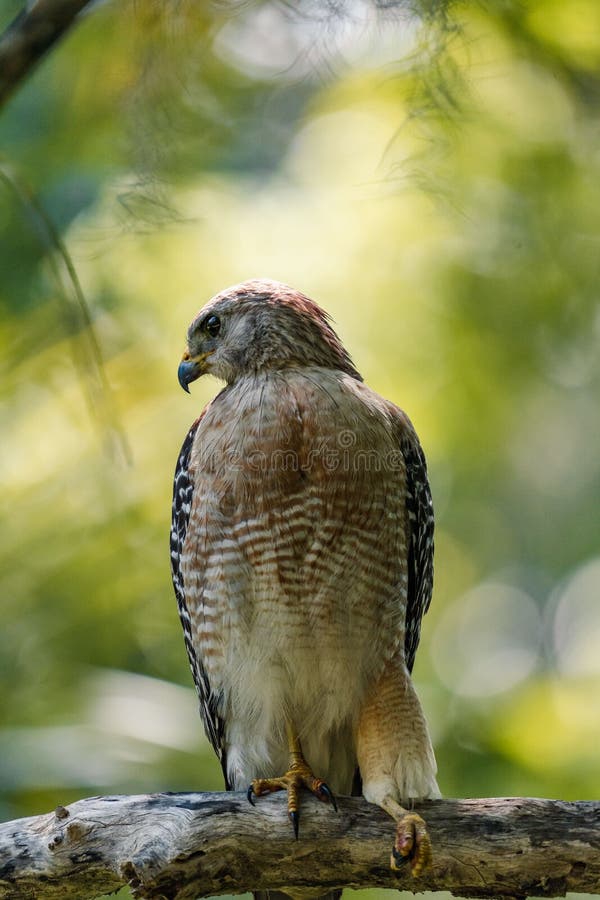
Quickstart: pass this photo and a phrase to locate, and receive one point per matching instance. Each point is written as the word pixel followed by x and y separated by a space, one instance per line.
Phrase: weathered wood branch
pixel 30 35
pixel 182 846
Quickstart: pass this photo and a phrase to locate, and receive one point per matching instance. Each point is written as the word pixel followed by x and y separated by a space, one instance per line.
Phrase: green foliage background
pixel 432 177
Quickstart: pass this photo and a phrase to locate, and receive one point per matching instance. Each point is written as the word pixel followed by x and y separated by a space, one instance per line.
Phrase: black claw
pixel 325 790
pixel 398 857
pixel 249 793
pixel 295 820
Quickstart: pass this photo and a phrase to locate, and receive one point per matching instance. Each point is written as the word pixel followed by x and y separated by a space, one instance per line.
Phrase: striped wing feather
pixel 182 502
pixel 420 548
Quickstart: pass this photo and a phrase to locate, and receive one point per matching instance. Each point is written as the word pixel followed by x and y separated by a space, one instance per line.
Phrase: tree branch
pixel 35 29
pixel 181 846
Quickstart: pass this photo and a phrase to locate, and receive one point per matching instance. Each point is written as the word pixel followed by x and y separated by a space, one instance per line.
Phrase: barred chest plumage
pixel 295 560
pixel 302 561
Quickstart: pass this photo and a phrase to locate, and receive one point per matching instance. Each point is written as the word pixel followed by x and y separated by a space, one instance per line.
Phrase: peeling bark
pixel 182 846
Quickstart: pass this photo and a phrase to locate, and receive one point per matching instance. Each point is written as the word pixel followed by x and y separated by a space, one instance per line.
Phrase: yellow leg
pixel 412 843
pixel 396 760
pixel 298 775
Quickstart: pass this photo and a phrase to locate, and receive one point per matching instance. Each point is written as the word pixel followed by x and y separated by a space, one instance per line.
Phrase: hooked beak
pixel 190 369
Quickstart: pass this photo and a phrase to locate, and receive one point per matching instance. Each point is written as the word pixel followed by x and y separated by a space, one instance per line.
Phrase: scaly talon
pixel 298 775
pixel 412 844
pixel 295 820
pixel 324 794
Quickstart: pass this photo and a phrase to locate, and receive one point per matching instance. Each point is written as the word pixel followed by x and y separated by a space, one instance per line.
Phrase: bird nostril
pixel 186 356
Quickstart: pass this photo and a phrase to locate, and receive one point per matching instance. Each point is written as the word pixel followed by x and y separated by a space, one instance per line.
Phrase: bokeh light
pixel 577 623
pixel 435 185
pixel 487 641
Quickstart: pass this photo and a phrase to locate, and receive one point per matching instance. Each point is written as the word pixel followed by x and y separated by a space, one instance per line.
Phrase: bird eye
pixel 212 325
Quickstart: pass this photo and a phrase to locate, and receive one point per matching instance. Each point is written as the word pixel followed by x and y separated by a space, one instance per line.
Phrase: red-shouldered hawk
pixel 302 557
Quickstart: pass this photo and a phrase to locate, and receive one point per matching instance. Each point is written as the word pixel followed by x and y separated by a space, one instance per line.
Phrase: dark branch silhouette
pixel 30 35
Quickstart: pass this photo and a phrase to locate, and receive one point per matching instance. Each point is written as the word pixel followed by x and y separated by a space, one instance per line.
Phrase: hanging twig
pixel 86 349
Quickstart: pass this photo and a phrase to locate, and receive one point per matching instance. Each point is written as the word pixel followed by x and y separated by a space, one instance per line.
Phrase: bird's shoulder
pixel 298 405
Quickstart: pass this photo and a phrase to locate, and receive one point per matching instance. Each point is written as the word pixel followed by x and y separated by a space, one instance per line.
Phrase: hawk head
pixel 256 326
